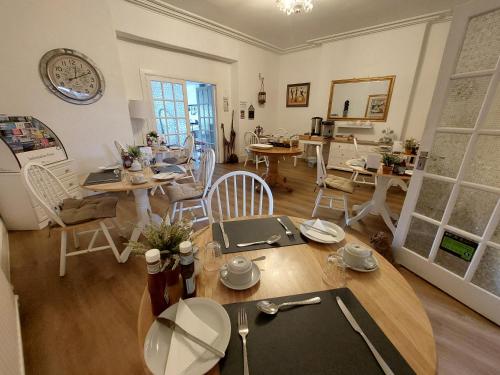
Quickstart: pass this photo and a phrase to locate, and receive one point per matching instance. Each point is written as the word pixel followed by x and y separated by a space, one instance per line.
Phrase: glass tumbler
pixel 334 271
pixel 213 256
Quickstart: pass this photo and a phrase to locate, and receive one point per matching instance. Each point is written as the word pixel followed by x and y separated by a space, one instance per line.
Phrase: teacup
pixel 356 255
pixel 137 178
pixel 238 270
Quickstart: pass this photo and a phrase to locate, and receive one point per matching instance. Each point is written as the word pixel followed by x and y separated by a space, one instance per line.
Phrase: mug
pixel 238 270
pixel 355 255
pixel 137 178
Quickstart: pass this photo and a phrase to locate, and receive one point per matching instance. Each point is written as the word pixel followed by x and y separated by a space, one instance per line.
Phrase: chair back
pixel 356 146
pixel 250 138
pixel 189 147
pixel 120 148
pixel 239 198
pixel 46 188
pixel 207 166
pixel 320 168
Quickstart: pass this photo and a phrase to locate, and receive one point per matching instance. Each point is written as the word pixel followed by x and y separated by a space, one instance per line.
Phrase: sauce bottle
pixel 187 269
pixel 156 282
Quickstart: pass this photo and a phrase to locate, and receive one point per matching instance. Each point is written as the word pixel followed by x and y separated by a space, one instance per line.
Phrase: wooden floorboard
pixel 85 322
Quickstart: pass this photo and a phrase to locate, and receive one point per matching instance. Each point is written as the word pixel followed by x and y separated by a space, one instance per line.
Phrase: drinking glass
pixel 213 256
pixel 333 271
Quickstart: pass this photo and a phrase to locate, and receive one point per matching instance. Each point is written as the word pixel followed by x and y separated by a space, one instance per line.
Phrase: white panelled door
pixel 207 116
pixel 449 232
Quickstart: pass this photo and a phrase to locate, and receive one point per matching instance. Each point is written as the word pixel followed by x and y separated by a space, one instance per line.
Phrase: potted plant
pixel 134 153
pixel 166 238
pixel 388 161
pixel 410 146
pixel 152 138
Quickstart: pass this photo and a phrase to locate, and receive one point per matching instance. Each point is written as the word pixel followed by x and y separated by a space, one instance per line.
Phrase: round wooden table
pixel 142 205
pixel 272 176
pixel 385 294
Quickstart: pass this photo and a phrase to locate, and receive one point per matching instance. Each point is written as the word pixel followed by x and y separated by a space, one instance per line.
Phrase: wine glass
pixel 333 271
pixel 213 256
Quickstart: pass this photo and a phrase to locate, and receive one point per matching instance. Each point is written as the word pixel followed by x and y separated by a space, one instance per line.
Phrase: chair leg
pixel 257 163
pixel 181 208
pixel 110 241
pixel 318 200
pixel 346 208
pixel 246 160
pixel 202 201
pixel 174 208
pixel 295 161
pixel 76 239
pixel 62 259
pixel 161 190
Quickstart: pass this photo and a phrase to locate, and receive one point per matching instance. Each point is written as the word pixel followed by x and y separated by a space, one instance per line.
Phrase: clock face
pixel 71 76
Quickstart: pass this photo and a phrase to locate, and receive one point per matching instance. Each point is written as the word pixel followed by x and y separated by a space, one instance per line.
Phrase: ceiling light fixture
pixel 294 6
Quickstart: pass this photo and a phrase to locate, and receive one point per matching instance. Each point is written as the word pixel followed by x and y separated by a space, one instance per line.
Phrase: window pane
pixel 167 91
pixel 172 126
pixel 182 125
pixel 170 109
pixel 160 126
pixel 182 138
pixel 484 166
pixel 486 275
pixel 447 153
pixel 420 236
pixel 179 95
pixel 493 118
pixel 179 106
pixel 156 89
pixel 159 109
pixel 451 262
pixel 173 140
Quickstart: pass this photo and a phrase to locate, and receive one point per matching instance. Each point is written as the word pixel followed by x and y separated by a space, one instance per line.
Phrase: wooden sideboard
pixel 341 151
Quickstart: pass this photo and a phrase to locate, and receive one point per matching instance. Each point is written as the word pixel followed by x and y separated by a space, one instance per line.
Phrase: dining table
pixel 274 154
pixel 385 294
pixel 144 213
pixel 377 205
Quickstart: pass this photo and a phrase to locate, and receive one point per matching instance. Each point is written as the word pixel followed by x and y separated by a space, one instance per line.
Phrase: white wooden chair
pixel 357 176
pixel 193 192
pixel 324 189
pixel 49 192
pixel 251 138
pixel 243 198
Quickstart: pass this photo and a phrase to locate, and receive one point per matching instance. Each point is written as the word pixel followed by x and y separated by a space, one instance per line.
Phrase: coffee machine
pixel 316 125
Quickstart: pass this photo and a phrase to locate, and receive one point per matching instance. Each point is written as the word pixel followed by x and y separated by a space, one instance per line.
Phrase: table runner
pixel 313 340
pixel 251 230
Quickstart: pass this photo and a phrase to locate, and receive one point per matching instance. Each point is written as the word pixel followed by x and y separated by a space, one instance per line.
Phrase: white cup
pixel 355 255
pixel 238 270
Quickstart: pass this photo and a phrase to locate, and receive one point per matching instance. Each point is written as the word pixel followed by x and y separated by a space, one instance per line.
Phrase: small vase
pixel 386 169
pixel 127 161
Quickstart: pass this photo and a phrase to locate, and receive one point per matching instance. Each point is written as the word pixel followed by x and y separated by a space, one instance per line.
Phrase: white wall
pixel 34 27
pixel 394 52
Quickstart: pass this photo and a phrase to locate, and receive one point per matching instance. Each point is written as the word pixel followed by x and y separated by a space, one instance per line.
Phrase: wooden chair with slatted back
pixel 238 194
pixel 251 138
pixel 49 192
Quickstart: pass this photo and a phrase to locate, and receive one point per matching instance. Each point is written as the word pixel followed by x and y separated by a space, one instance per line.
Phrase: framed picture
pixel 375 106
pixel 297 95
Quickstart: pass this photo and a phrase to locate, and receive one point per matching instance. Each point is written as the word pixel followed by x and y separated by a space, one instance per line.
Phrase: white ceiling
pixel 261 19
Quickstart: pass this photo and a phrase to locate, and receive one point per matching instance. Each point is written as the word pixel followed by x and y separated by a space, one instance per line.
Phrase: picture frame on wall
pixel 376 106
pixel 297 94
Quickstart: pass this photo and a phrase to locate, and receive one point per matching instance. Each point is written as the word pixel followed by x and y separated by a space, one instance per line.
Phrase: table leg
pixel 272 176
pixel 144 217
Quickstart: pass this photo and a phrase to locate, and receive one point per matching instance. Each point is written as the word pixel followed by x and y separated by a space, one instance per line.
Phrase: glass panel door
pixel 448 230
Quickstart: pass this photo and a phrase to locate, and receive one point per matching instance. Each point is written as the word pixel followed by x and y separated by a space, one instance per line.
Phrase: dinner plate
pixel 340 252
pixel 164 176
pixel 262 145
pixel 157 342
pixel 335 227
pixel 254 280
pixel 110 167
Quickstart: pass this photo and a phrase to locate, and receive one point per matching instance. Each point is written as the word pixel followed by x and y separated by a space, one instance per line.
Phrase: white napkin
pixel 183 352
pixel 318 224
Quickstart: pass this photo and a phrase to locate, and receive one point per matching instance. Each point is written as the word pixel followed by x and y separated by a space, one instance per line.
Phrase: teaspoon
pixel 270 241
pixel 271 308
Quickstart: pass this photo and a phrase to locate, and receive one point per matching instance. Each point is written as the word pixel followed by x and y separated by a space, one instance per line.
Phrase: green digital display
pixel 458 246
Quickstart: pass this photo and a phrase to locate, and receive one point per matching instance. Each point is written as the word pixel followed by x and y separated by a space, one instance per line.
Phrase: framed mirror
pixel 360 98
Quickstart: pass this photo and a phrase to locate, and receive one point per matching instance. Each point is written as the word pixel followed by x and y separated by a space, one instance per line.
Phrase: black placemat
pixel 103 177
pixel 169 168
pixel 312 340
pixel 241 231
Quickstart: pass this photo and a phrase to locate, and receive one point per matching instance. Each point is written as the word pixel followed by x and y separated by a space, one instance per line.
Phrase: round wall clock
pixel 71 76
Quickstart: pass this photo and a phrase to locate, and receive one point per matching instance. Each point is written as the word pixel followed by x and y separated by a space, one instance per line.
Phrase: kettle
pixel 316 125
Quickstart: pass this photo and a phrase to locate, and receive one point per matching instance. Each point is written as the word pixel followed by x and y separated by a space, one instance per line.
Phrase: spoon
pixel 270 308
pixel 258 258
pixel 270 241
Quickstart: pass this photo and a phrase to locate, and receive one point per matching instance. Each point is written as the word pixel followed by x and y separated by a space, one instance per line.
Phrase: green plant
pixel 134 151
pixel 410 143
pixel 152 134
pixel 389 159
pixel 164 237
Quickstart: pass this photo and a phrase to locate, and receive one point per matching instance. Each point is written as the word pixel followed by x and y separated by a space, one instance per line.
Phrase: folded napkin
pixel 318 224
pixel 183 352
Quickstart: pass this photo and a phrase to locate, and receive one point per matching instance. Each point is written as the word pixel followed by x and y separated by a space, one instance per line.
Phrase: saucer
pixel 254 280
pixel 139 182
pixel 164 176
pixel 341 253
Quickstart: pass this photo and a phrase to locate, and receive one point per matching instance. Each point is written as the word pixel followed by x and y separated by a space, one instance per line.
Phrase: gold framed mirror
pixel 360 98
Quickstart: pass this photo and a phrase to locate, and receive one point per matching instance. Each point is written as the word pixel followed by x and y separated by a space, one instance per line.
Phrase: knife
pixel 387 370
pixel 224 235
pixel 177 328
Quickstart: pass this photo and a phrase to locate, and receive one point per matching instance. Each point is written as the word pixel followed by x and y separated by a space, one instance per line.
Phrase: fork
pixel 243 331
pixel 288 232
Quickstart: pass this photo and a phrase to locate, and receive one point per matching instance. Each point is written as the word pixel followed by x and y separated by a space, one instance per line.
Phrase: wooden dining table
pixel 143 209
pixel 274 154
pixel 291 270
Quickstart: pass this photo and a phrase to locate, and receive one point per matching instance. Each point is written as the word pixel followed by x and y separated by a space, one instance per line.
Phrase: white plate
pixel 409 172
pixel 327 224
pixel 157 342
pixel 262 145
pixel 110 167
pixel 175 148
pixel 164 176
pixel 341 253
pixel 254 280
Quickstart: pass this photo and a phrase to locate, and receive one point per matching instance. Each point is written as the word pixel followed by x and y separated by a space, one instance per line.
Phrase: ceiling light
pixel 294 6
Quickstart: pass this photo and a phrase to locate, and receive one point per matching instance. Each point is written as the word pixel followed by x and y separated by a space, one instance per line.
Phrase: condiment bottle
pixel 156 282
pixel 187 269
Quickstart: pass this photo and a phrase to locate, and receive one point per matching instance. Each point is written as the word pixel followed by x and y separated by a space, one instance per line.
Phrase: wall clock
pixel 71 76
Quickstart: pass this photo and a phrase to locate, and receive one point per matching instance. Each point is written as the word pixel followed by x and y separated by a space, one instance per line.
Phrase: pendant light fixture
pixel 294 6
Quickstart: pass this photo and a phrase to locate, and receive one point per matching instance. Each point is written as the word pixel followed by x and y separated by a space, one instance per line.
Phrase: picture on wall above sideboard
pixel 360 98
pixel 297 95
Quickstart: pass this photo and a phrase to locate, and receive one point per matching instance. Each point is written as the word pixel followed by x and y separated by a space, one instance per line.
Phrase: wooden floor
pixel 85 322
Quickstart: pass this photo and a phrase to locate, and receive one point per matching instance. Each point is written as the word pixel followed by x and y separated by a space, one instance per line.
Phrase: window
pixel 169 109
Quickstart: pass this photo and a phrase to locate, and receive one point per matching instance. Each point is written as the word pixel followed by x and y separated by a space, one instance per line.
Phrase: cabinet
pixel 341 151
pixel 17 208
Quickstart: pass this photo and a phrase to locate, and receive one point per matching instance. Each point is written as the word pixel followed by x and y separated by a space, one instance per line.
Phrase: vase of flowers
pixel 134 153
pixel 152 138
